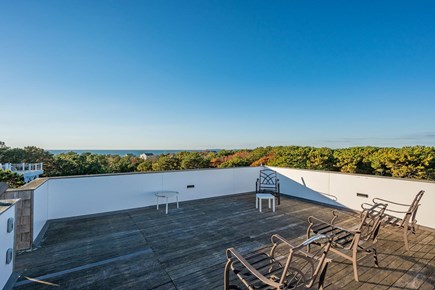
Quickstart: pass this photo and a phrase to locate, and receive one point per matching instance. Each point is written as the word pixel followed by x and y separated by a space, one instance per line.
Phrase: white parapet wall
pixel 312 185
pixel 40 208
pixel 66 197
pixel 6 242
pixel 83 195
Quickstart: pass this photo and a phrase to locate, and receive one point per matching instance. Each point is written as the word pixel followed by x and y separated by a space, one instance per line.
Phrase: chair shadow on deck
pixel 303 191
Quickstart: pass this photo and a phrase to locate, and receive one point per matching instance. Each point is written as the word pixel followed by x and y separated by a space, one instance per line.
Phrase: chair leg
pixel 227 275
pixel 375 257
pixel 413 228
pixel 322 276
pixel 405 237
pixel 309 236
pixel 355 260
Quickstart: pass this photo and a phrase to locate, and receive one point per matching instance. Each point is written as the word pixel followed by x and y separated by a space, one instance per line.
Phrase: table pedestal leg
pixel 166 205
pixel 177 202
pixel 157 203
pixel 274 204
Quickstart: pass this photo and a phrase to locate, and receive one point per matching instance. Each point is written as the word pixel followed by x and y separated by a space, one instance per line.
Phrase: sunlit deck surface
pixel 146 249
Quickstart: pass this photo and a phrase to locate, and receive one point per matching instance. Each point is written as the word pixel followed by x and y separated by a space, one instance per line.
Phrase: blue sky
pixel 216 74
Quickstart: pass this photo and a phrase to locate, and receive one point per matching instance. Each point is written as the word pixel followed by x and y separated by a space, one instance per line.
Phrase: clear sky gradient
pixel 216 74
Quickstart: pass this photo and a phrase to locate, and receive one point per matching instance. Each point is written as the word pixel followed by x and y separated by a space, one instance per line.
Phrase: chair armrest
pixel 311 218
pixel 336 213
pixel 379 200
pixel 397 211
pixel 231 252
pixel 299 248
pixel 277 238
pixel 375 210
pixel 366 205
pixel 314 239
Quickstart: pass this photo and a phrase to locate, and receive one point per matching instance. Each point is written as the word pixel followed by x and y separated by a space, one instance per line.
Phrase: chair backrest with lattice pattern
pixel 267 180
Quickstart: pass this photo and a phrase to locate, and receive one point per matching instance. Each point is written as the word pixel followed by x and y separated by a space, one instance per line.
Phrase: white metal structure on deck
pixel 30 171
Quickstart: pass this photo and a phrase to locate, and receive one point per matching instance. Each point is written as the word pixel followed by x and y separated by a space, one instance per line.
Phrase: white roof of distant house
pixel 144 156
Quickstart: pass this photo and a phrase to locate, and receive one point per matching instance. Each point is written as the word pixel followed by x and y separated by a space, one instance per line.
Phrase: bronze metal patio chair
pixel 268 183
pixel 350 242
pixel 407 222
pixel 295 270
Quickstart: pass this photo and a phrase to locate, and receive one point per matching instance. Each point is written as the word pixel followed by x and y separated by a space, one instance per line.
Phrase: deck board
pixel 147 249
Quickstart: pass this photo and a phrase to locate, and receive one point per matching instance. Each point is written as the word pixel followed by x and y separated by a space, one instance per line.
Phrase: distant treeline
pixel 411 162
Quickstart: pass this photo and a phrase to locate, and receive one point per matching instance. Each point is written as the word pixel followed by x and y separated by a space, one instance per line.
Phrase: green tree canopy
pixel 167 162
pixel 11 178
pixel 193 160
pixel 354 159
pixel 291 156
pixel 146 165
pixel 410 162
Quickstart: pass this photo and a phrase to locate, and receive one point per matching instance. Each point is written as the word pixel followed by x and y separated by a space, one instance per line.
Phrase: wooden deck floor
pixel 146 249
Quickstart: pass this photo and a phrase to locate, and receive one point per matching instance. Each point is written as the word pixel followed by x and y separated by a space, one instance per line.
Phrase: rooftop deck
pixel 146 249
